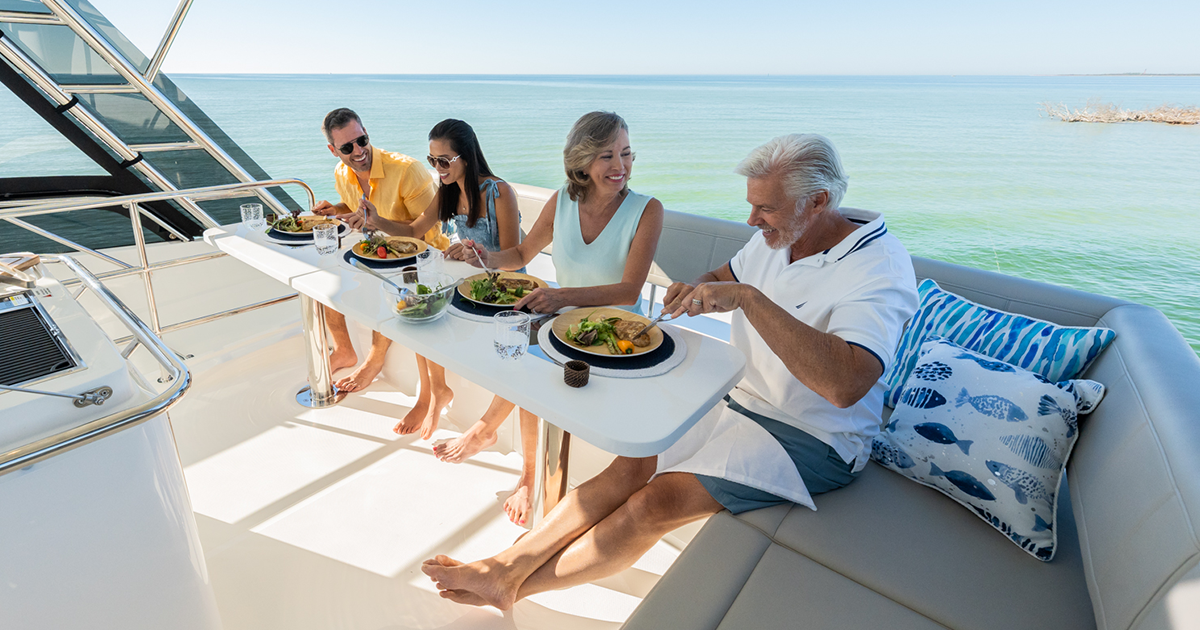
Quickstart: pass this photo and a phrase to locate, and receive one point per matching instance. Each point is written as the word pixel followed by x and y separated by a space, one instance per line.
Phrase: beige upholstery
pixel 886 552
pixel 691 245
pixel 530 201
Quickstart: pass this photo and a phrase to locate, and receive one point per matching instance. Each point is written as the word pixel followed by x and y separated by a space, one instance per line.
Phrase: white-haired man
pixel 820 297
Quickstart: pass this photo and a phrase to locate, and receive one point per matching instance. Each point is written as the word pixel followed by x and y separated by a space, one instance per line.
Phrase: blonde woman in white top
pixel 604 238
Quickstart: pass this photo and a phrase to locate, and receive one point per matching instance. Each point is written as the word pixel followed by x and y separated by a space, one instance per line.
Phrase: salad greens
pixel 425 307
pixel 485 290
pixel 597 333
pixel 288 224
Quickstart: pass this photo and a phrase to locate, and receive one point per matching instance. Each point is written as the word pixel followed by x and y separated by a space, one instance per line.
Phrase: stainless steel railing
pixel 73 438
pixel 144 267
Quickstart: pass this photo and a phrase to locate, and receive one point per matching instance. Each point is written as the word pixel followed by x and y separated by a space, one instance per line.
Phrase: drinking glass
pixel 325 237
pixel 252 216
pixel 512 334
pixel 430 260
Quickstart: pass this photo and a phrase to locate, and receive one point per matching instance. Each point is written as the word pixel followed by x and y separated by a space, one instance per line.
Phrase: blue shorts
pixel 821 468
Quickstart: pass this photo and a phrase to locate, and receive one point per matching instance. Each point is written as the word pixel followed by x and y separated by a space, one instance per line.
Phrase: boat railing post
pixel 135 217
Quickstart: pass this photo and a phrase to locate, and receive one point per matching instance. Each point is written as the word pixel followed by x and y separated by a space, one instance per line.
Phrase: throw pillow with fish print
pixel 1056 352
pixel 990 435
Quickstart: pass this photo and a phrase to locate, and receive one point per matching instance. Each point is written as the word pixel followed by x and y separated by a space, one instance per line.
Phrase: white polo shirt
pixel 862 290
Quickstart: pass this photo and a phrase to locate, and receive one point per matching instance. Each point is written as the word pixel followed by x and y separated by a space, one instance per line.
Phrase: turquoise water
pixel 966 169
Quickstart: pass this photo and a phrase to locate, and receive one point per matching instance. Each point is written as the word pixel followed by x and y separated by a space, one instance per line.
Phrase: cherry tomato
pixel 381 251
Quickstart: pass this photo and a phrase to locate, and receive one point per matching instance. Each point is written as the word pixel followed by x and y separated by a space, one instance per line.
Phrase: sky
pixel 622 37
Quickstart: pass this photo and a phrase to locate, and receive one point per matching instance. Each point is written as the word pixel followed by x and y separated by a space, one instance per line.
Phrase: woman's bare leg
pixel 440 397
pixel 517 505
pixel 413 419
pixel 495 581
pixel 481 435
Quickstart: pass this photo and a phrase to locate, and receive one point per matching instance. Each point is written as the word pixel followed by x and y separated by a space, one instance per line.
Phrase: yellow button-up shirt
pixel 401 189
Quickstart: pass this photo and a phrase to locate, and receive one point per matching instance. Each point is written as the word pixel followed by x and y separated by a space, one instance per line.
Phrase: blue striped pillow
pixel 1056 352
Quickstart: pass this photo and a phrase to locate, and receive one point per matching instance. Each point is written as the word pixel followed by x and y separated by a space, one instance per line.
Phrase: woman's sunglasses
pixel 348 148
pixel 436 161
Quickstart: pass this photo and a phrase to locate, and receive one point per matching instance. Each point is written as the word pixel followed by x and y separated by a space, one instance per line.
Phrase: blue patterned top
pixel 486 231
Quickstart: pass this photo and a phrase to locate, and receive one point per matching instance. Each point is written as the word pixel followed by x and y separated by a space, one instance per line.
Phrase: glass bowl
pixel 424 306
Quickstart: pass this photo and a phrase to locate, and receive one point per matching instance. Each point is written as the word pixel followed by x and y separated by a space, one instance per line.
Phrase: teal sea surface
pixel 968 170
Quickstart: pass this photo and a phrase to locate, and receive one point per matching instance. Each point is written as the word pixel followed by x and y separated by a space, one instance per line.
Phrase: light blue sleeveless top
pixel 601 262
pixel 487 229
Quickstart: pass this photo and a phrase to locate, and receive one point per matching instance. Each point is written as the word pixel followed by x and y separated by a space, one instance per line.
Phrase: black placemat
pixel 474 308
pixel 391 263
pixel 635 362
pixel 303 237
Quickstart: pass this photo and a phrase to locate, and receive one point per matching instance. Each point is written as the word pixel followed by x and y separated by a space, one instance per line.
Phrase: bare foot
pixel 342 358
pixel 441 399
pixel 413 419
pixel 466 445
pixel 463 597
pixel 362 377
pixel 480 583
pixel 517 504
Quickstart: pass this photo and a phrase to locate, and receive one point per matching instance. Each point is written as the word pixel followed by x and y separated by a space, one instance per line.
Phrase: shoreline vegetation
pixel 1097 112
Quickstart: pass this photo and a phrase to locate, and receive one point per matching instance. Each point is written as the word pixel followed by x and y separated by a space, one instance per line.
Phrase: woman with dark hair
pixel 488 218
pixel 604 238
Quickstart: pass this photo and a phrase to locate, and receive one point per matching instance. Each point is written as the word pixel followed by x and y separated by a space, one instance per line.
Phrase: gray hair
pixel 807 162
pixel 589 137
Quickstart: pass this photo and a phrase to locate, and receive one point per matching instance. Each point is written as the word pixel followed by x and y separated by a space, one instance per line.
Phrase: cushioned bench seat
pixel 881 548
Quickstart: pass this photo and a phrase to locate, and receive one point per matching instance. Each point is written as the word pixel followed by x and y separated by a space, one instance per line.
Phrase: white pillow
pixel 990 435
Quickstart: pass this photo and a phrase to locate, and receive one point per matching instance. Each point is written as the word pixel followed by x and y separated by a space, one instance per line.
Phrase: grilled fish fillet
pixel 626 327
pixel 516 283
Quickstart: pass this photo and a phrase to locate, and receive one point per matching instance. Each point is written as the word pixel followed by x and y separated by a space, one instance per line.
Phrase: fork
pixel 493 274
pixel 652 324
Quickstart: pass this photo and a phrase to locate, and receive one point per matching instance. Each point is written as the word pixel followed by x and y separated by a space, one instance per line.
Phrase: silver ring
pixel 697 302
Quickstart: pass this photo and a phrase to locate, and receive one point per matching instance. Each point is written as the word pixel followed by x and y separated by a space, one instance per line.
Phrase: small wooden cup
pixel 575 373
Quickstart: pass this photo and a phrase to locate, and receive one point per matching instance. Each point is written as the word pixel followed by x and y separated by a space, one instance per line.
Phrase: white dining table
pixel 635 417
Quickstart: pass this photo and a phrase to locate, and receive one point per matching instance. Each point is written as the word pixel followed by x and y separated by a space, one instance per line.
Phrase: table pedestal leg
pixel 550 474
pixel 320 392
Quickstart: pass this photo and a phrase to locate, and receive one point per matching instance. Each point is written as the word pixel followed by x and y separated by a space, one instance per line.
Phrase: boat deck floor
pixel 321 518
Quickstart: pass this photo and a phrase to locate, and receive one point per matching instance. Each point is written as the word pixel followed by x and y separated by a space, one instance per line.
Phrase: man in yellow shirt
pixel 368 179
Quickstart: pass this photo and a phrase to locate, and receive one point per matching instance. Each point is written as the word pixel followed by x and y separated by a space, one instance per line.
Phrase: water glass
pixel 430 260
pixel 325 237
pixel 512 334
pixel 252 216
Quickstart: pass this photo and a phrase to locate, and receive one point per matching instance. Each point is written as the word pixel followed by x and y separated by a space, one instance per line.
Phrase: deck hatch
pixel 28 349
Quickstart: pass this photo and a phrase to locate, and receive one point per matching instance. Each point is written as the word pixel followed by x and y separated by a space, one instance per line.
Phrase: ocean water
pixel 966 169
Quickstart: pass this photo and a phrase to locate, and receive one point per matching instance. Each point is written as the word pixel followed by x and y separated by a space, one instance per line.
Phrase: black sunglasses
pixel 348 148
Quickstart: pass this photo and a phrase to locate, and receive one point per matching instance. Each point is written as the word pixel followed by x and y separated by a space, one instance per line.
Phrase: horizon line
pixel 546 74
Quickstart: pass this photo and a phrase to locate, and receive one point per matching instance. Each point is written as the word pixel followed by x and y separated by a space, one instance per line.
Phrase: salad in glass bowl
pixel 428 297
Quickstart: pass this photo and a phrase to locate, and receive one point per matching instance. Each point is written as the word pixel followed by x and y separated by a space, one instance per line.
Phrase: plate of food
pixel 606 332
pixel 299 228
pixel 384 249
pixel 508 287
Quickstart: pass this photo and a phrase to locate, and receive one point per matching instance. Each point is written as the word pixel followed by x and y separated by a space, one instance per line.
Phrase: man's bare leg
pixel 413 419
pixel 495 581
pixel 614 544
pixel 481 435
pixel 362 377
pixel 517 505
pixel 343 355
